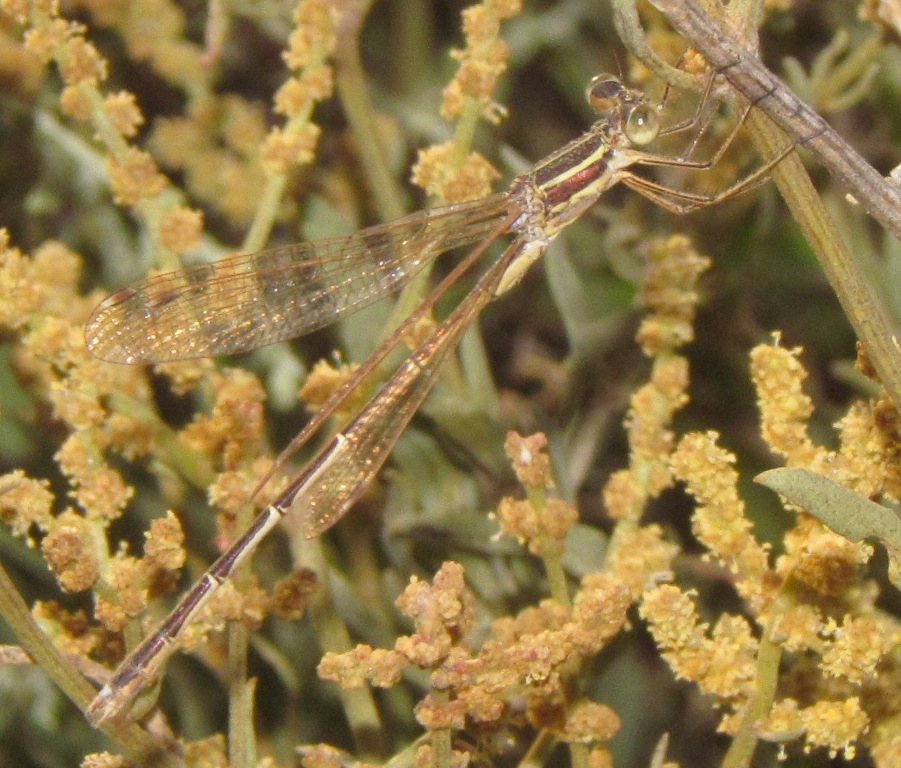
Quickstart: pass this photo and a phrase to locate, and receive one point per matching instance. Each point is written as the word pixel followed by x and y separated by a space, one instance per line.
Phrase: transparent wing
pixel 250 300
pixel 328 488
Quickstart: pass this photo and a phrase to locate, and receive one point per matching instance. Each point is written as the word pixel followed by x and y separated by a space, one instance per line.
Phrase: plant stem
pixel 550 551
pixel 859 301
pixel 358 109
pixel 708 25
pixel 241 743
pixel 441 737
pixel 359 705
pixel 769 654
pixel 133 740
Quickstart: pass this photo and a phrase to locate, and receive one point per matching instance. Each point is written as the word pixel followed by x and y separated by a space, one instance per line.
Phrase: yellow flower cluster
pixel 721 663
pixel 719 521
pixel 311 43
pixel 92 400
pixel 451 172
pixel 324 380
pixel 438 173
pixel 812 603
pixel 529 656
pixel 105 760
pixel 482 62
pixel 811 656
pixel 109 411
pixel 538 522
pixel 134 177
pixel 670 294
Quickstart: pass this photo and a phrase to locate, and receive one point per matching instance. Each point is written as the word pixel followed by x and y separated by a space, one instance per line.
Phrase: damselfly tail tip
pixel 104 706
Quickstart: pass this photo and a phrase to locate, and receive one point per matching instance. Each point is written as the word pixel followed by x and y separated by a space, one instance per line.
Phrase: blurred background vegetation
pixel 560 347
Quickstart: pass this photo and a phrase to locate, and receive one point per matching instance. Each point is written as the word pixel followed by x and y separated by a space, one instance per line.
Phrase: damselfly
pixel 250 300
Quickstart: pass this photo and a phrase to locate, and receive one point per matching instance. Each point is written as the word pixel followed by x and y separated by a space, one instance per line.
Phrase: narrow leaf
pixel 847 513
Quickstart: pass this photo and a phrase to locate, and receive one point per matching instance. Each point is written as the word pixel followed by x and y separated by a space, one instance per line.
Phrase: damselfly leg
pixel 682 201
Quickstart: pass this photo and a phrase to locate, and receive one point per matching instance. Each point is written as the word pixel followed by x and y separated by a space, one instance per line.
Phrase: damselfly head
pixel 624 107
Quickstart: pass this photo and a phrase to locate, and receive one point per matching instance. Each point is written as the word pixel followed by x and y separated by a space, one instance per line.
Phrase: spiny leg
pixel 681 202
pixel 682 160
pixel 701 119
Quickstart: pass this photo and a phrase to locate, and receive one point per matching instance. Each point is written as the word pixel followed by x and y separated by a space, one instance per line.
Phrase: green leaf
pixel 847 513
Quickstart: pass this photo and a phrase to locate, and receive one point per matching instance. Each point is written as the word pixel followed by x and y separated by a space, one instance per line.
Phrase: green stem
pixel 134 741
pixel 271 199
pixel 351 84
pixel 579 754
pixel 151 208
pixel 38 646
pixel 241 744
pixel 440 738
pixel 465 130
pixel 859 301
pixel 406 758
pixel 550 550
pixel 741 751
pixel 267 210
pixel 539 750
pixel 411 24
pixel 359 705
pixel 628 27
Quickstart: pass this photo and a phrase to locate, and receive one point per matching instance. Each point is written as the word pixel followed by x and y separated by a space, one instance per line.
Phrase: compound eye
pixel 642 125
pixel 603 92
